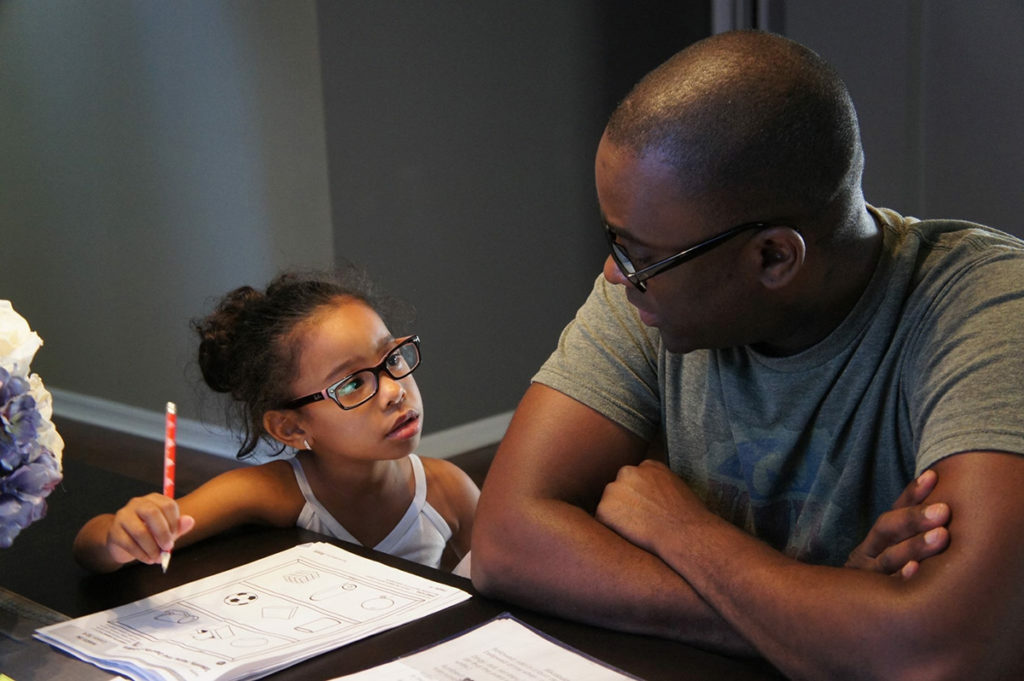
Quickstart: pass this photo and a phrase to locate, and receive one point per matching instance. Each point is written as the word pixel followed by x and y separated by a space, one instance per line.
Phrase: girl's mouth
pixel 407 426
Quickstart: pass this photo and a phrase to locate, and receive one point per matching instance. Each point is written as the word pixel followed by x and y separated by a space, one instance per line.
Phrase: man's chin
pixel 674 343
pixel 679 344
pixel 673 340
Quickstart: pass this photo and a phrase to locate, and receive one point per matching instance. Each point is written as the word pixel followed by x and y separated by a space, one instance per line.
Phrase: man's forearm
pixel 782 606
pixel 826 622
pixel 556 558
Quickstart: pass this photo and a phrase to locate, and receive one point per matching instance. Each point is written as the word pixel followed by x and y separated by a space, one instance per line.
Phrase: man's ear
pixel 781 252
pixel 283 426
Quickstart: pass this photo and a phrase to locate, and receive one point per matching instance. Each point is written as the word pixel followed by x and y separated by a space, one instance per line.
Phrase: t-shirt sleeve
pixel 969 363
pixel 608 360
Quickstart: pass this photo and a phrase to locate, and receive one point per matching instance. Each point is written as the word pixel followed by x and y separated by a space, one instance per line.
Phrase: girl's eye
pixel 350 386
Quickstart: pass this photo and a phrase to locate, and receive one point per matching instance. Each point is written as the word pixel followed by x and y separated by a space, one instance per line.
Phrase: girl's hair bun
pixel 222 338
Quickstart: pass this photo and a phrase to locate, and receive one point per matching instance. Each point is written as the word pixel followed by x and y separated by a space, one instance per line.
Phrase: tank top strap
pixel 313 515
pixel 420 478
pixel 302 481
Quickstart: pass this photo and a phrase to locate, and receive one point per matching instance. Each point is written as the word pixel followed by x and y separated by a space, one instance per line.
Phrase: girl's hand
pixel 144 527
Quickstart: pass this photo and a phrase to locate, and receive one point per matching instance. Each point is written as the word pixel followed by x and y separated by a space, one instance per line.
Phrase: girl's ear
pixel 781 253
pixel 283 426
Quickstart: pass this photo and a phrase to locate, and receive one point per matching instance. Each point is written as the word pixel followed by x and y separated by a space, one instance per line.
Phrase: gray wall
pixel 152 156
pixel 939 88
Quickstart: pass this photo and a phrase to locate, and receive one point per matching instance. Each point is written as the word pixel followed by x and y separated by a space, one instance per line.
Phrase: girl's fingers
pixel 142 529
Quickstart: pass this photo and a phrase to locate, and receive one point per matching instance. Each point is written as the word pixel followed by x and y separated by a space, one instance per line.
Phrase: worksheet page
pixel 255 619
pixel 503 649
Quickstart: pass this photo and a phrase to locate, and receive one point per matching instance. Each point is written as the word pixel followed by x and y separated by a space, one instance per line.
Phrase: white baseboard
pixel 204 437
pixel 465 438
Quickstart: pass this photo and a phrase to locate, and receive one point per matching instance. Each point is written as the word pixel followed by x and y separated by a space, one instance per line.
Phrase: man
pixel 801 358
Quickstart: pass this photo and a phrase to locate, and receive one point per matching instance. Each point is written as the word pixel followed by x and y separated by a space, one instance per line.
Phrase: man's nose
pixel 612 272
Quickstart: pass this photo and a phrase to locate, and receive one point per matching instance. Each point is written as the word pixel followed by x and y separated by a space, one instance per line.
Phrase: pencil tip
pixel 165 560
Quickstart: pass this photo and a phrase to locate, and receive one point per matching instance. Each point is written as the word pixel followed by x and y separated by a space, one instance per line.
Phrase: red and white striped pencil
pixel 170 437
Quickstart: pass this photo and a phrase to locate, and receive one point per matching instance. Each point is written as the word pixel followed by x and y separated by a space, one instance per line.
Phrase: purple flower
pixel 19 421
pixel 28 470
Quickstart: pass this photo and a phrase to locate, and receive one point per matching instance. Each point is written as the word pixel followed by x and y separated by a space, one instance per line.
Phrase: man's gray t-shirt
pixel 806 451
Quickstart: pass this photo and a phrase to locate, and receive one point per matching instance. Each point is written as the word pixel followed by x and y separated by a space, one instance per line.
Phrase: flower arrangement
pixel 30 447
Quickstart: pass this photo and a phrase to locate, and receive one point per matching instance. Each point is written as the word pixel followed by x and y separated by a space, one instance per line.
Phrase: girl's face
pixel 336 342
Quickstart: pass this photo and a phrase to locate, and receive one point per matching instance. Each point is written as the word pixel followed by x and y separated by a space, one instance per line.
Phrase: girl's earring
pixel 306 442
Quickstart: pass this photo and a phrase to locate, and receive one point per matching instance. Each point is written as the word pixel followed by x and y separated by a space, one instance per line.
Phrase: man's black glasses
pixel 638 277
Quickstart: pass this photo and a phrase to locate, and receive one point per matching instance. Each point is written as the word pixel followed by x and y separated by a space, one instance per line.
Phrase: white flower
pixel 47 434
pixel 18 342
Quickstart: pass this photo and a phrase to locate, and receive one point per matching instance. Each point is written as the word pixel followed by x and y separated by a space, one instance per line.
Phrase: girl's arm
pixel 145 526
pixel 454 494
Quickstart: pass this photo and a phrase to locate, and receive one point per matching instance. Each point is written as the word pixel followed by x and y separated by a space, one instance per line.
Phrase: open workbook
pixel 253 620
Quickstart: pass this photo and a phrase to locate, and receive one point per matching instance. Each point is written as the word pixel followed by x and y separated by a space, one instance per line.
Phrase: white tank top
pixel 420 535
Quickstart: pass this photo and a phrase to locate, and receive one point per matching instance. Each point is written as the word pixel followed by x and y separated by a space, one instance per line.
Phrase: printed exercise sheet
pixel 253 620
pixel 503 649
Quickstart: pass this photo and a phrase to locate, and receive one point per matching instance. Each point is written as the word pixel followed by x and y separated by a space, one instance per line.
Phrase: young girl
pixel 311 365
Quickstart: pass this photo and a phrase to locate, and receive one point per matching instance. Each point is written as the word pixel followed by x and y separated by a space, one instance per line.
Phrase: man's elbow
pixel 492 564
pixel 957 663
pixel 981 647
pixel 981 656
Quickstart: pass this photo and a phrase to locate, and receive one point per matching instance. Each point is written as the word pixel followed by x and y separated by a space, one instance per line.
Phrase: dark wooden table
pixel 39 567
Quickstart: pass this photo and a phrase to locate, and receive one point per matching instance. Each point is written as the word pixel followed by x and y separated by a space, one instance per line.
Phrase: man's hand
pixel 645 502
pixel 908 533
